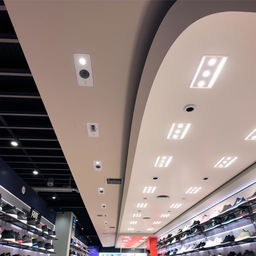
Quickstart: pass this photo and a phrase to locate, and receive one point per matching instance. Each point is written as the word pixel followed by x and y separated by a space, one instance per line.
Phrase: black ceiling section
pixel 23 117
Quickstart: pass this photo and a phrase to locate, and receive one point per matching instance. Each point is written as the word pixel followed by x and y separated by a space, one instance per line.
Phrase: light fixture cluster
pixel 133 222
pixel 149 190
pixel 225 161
pixel 175 205
pixel 142 205
pixel 156 222
pixel 251 135
pixel 193 190
pixel 208 71
pixel 163 161
pixel 178 131
pixel 165 215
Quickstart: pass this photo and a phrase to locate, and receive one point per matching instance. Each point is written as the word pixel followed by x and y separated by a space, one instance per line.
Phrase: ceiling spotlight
pixel 225 161
pixel 251 135
pixel 175 205
pixel 208 69
pixel 54 197
pixel 193 190
pixel 101 191
pixel 35 172
pixel 149 190
pixel 142 205
pixel 14 143
pixel 178 131
pixel 82 61
pixel 163 161
pixel 103 206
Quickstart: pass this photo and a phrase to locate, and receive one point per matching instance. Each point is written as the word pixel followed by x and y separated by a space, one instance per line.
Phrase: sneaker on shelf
pixel 213 224
pixel 34 242
pixel 183 236
pixel 50 232
pixel 231 217
pixel 242 213
pixel 195 223
pixel 245 234
pixel 250 198
pixel 45 229
pixel 228 239
pixel 226 207
pixel 49 247
pixel 53 234
pixel 41 245
pixel 18 238
pixel 22 217
pixel 38 226
pixel 8 235
pixel 249 253
pixel 32 222
pixel 26 240
pixel 186 228
pixel 10 210
pixel 232 254
pixel 238 202
pixel 179 231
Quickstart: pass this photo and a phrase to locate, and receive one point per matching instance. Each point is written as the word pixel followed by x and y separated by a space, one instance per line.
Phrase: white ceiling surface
pixel 50 33
pixel 224 116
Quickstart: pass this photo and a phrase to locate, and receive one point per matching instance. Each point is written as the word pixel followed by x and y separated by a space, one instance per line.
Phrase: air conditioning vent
pixel 114 181
pixel 163 196
pixel 93 129
pixel 99 215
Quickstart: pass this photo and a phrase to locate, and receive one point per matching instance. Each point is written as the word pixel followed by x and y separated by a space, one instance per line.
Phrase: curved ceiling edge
pixel 178 19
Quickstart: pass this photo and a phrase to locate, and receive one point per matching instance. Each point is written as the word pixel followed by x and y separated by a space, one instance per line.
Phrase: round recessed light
pixel 205 178
pixel 155 178
pixel 201 83
pixel 82 61
pixel 206 73
pixel 35 172
pixel 189 108
pixel 212 62
pixel 54 197
pixel 162 196
pixel 14 143
pixel 84 73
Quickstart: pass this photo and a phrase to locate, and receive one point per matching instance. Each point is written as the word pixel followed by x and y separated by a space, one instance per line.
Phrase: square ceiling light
pixel 178 131
pixel 163 161
pixel 208 71
pixel 149 190
pixel 142 205
pixel 193 190
pixel 251 135
pixel 175 205
pixel 225 161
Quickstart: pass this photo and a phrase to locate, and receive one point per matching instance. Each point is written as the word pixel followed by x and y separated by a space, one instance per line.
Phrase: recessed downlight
pixel 178 131
pixel 101 190
pixel 193 190
pixel 163 161
pixel 225 161
pixel 14 143
pixel 251 135
pixel 103 206
pixel 175 205
pixel 35 172
pixel 208 71
pixel 149 190
pixel 82 61
pixel 97 165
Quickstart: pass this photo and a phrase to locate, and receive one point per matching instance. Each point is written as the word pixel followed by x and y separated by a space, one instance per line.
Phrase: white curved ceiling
pixel 223 117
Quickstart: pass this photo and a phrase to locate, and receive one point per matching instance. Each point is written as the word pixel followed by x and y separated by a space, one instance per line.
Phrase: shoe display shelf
pixel 78 246
pixel 24 247
pixel 234 218
pixel 14 221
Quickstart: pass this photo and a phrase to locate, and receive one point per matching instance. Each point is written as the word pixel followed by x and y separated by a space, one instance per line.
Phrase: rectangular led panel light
pixel 142 205
pixel 156 222
pixel 178 131
pixel 163 161
pixel 149 190
pixel 251 136
pixel 136 215
pixel 133 222
pixel 193 190
pixel 83 69
pixel 208 71
pixel 175 205
pixel 165 215
pixel 225 161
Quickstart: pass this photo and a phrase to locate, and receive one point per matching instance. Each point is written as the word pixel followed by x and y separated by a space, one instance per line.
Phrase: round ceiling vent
pixel 163 196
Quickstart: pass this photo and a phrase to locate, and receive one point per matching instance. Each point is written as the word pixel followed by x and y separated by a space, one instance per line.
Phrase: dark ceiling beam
pixel 8 40
pixel 33 162
pixel 30 148
pixel 42 169
pixel 48 174
pixel 15 74
pixel 23 114
pixel 20 96
pixel 2 8
pixel 25 128
pixel 39 156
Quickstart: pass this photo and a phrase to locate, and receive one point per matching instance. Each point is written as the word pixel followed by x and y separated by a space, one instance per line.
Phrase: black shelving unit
pixel 21 246
pixel 7 218
pixel 78 249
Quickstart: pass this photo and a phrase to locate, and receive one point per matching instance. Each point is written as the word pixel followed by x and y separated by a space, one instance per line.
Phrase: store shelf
pixel 21 246
pixel 7 218
pixel 78 249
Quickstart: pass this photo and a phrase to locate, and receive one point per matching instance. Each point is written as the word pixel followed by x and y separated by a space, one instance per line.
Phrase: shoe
pixel 179 231
pixel 41 245
pixel 213 224
pixel 243 235
pixel 232 254
pixel 238 202
pixel 231 217
pixel 242 213
pixel 186 228
pixel 10 210
pixel 8 235
pixel 45 230
pixel 49 247
pixel 195 223
pixel 26 240
pixel 226 207
pixel 228 239
pixel 252 197
pixel 52 233
pixel 183 236
pixel 249 253
pixel 22 217
pixel 18 238
pixel 34 242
